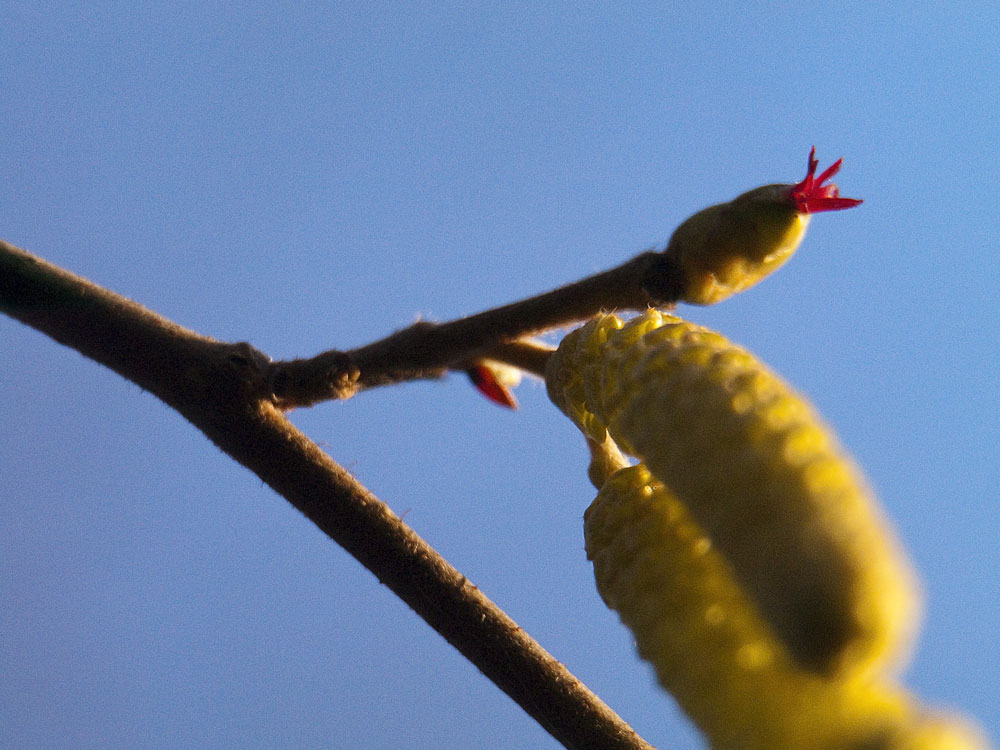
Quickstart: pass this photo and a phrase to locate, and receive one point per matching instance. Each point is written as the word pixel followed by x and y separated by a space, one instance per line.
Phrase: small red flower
pixel 811 196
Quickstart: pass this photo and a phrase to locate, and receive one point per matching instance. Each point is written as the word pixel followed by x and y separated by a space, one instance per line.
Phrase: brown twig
pixel 225 390
pixel 428 350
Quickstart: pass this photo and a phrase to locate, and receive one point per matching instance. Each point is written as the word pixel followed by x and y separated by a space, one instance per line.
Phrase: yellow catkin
pixel 711 649
pixel 759 472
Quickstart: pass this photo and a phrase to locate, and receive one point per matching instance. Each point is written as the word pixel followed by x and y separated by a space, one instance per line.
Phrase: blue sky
pixel 309 176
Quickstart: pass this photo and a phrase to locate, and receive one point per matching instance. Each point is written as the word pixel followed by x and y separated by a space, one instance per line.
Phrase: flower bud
pixel 727 248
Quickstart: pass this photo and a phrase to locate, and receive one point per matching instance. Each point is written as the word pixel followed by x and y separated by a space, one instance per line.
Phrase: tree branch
pixel 428 350
pixel 226 390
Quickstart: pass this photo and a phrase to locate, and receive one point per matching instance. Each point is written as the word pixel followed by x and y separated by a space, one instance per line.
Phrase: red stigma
pixel 811 196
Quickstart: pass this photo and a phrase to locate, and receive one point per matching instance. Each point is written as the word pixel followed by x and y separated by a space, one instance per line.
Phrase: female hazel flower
pixel 727 248
pixel 719 251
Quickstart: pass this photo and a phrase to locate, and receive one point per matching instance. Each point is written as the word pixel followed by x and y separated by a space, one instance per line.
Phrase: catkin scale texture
pixel 713 651
pixel 760 473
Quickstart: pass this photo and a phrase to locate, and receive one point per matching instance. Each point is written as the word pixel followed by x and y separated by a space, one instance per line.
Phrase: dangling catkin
pixel 758 471
pixel 712 650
